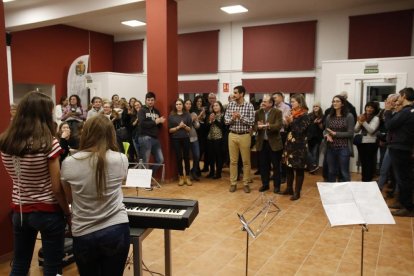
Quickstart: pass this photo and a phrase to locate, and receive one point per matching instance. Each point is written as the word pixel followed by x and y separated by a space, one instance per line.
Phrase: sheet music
pixel 348 203
pixel 140 178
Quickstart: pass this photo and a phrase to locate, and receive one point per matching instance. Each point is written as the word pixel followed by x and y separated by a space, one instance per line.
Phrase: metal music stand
pixel 142 165
pixel 261 212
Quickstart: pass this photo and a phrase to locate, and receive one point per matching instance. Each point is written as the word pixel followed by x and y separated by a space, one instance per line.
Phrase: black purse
pixel 357 139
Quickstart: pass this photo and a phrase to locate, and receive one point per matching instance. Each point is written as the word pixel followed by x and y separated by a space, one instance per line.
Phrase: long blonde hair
pixel 98 136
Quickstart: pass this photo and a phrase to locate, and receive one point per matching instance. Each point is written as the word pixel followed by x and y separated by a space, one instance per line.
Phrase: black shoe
pixel 204 170
pixel 403 213
pixel 286 192
pixel 257 172
pixel 295 197
pixel 396 205
pixel 217 176
pixel 194 177
pixel 276 190
pixel 210 175
pixel 264 188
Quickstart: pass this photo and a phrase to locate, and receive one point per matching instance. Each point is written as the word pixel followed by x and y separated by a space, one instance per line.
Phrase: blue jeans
pixel 384 170
pixel 195 151
pixel 313 156
pixel 103 252
pixel 52 228
pixel 338 161
pixel 149 145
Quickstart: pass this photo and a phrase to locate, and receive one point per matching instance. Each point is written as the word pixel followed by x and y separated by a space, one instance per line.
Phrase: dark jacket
pixel 147 125
pixel 400 127
pixel 273 133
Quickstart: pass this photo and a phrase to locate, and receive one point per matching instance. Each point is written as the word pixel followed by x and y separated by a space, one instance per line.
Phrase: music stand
pixel 262 212
pixel 354 203
pixel 142 165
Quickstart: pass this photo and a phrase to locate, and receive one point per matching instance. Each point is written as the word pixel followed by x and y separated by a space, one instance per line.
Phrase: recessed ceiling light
pixel 234 9
pixel 133 23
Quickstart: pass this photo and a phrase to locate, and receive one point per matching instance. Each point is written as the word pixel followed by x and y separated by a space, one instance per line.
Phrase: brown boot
pixel 180 180
pixel 187 181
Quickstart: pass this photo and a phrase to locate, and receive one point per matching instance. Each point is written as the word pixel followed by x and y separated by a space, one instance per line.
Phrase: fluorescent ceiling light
pixel 133 23
pixel 5 1
pixel 234 9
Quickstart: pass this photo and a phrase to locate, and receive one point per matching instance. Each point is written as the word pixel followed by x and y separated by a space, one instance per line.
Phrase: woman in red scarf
pixel 296 147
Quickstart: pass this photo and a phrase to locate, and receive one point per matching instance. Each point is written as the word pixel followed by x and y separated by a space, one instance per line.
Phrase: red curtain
pixel 198 86
pixel 198 52
pixel 380 35
pixel 128 56
pixel 280 47
pixel 286 85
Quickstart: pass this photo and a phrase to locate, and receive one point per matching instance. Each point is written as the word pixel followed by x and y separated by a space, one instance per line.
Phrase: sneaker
pixel 232 188
pixel 246 189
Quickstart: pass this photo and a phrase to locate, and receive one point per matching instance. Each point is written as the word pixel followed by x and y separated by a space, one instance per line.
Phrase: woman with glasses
pixel 339 131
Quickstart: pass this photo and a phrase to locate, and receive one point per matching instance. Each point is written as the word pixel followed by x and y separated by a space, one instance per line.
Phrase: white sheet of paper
pixel 348 203
pixel 140 178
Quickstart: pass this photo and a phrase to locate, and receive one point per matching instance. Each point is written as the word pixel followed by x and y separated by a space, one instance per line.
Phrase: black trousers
pixel 268 157
pixel 367 153
pixel 402 165
pixel 216 156
pixel 182 152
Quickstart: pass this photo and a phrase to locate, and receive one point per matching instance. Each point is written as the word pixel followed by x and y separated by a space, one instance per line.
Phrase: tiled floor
pixel 298 242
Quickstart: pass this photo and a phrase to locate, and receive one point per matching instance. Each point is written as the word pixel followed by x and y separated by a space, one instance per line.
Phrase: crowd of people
pixel 83 161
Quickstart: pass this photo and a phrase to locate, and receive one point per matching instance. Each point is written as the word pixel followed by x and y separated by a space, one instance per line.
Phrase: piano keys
pixel 162 213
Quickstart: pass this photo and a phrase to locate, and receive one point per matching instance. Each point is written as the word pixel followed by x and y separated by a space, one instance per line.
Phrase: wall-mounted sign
pixel 371 68
pixel 226 86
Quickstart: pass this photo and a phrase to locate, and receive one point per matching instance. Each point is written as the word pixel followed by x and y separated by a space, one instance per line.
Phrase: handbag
pixel 122 134
pixel 357 139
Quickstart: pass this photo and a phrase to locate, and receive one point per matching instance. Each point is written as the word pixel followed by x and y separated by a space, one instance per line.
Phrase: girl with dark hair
pixel 194 145
pixel 215 140
pixel 135 127
pixel 74 115
pixel 63 102
pixel 339 131
pixel 200 109
pixel 315 136
pixel 179 125
pixel 367 125
pixel 296 146
pixel 30 154
pixel 92 178
pixel 63 134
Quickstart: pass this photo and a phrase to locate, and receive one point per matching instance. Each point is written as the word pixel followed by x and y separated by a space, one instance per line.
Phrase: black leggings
pixel 290 175
pixel 182 151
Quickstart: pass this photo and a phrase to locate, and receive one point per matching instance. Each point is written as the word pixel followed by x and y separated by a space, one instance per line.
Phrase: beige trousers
pixel 239 143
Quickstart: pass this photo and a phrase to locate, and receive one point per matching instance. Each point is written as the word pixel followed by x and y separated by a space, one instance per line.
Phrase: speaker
pixel 8 39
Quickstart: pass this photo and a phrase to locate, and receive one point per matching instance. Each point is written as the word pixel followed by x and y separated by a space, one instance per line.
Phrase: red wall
pixel 44 55
pixel 6 244
pixel 128 56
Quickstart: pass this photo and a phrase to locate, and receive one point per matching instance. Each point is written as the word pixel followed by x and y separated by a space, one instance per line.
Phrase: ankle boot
pixel 187 181
pixel 180 180
pixel 298 188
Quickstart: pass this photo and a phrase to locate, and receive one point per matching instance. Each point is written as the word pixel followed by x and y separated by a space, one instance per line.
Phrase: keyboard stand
pixel 137 237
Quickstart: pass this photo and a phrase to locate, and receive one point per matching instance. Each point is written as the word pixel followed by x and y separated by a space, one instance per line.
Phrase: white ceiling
pixel 105 15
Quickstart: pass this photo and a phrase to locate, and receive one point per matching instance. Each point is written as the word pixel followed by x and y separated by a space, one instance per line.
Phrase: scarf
pixel 297 112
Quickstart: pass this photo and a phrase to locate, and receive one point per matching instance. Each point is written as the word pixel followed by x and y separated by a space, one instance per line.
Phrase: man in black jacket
pixel 400 127
pixel 149 121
